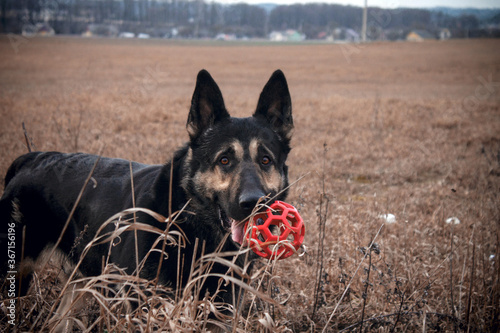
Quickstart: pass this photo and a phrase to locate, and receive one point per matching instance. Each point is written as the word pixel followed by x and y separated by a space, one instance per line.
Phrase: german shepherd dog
pixel 217 179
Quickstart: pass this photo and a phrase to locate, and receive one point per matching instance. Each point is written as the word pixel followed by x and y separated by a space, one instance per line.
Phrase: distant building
pixel 126 34
pixel 39 29
pixel 419 36
pixel 444 34
pixel 287 36
pixel 351 36
pixel 105 30
pixel 225 37
pixel 344 35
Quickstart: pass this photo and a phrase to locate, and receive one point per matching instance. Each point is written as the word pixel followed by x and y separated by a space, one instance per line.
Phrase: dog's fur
pixel 228 165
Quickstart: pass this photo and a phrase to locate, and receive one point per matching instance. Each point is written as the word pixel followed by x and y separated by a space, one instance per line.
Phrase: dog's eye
pixel 265 160
pixel 224 160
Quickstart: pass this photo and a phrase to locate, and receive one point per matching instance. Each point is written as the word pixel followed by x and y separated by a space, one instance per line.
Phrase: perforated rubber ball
pixel 276 233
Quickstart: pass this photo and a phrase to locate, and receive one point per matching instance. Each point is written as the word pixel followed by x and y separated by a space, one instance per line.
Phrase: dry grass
pixel 399 128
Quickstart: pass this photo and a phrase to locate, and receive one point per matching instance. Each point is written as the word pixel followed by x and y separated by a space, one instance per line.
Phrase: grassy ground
pixel 409 129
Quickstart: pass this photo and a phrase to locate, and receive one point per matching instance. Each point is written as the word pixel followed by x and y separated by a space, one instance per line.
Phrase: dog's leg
pixel 73 301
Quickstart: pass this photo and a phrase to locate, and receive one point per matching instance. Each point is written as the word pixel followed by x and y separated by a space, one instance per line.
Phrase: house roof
pixel 424 34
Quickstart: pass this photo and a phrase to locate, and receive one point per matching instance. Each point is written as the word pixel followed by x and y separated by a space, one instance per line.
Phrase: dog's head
pixel 233 163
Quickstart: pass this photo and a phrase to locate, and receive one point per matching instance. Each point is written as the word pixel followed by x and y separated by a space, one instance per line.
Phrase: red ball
pixel 276 233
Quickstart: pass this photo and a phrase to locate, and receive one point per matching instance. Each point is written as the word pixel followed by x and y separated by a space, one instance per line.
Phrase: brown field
pixel 410 129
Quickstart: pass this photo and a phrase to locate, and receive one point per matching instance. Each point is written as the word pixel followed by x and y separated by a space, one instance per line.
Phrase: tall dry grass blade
pixel 234 280
pixel 424 324
pixel 29 140
pixel 495 294
pixel 135 216
pixel 399 313
pixel 453 310
pixel 180 267
pixel 169 218
pixel 263 273
pixel 471 284
pixel 350 282
pixel 365 293
pixel 193 259
pixel 241 294
pixel 464 269
pixel 322 216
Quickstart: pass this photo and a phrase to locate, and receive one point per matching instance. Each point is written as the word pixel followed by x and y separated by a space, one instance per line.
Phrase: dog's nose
pixel 249 200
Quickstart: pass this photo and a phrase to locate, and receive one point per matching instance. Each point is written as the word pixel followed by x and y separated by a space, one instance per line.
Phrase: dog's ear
pixel 207 105
pixel 275 105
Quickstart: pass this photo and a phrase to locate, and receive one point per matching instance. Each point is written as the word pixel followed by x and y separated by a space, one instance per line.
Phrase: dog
pixel 216 180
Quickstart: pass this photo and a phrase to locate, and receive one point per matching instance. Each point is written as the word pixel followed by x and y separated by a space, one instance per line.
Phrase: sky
pixel 388 3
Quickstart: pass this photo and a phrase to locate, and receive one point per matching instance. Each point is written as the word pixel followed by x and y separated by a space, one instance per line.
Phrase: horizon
pixel 389 4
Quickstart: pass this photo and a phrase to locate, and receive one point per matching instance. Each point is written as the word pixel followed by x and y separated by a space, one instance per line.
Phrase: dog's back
pixel 41 189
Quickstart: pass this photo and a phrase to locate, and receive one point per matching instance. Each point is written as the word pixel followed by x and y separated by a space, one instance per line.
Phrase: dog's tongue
pixel 237 231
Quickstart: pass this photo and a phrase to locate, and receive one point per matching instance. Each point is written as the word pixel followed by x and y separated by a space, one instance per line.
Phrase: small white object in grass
pixel 389 218
pixel 453 220
pixel 492 257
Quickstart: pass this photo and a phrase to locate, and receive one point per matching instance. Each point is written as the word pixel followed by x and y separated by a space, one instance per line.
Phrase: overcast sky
pixel 388 3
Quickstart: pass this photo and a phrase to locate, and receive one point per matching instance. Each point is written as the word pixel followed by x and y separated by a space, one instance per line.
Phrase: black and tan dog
pixel 228 165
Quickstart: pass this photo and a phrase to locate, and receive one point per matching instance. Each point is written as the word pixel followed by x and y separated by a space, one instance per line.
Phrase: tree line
pixel 204 19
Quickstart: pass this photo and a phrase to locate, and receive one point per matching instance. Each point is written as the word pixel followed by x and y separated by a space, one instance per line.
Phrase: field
pixel 408 129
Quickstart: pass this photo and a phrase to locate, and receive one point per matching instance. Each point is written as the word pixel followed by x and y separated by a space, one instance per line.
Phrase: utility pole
pixel 363 28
